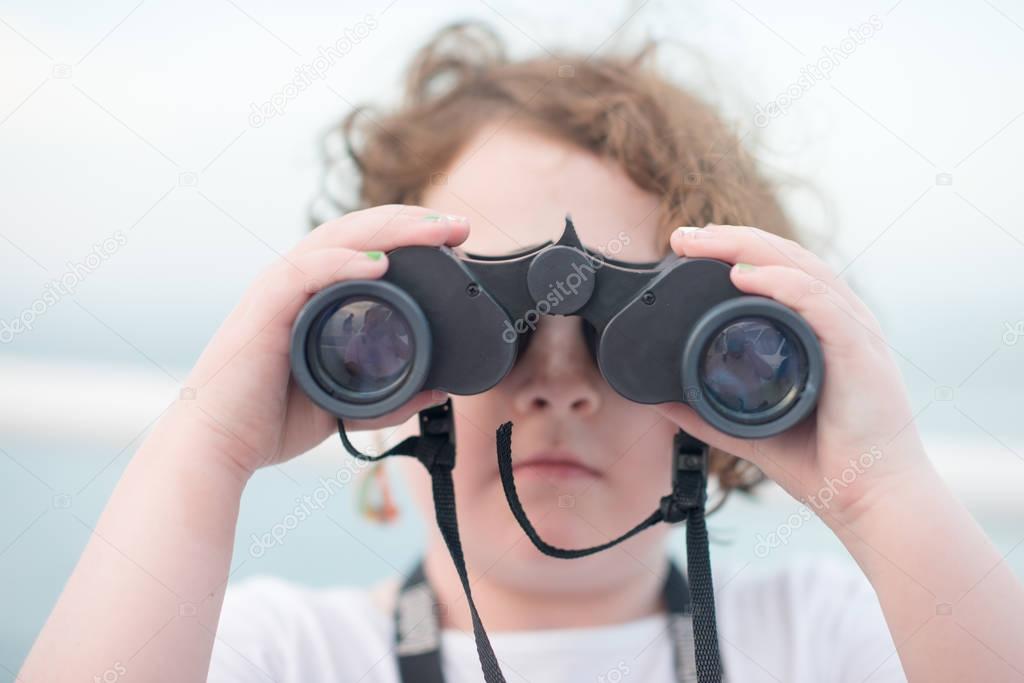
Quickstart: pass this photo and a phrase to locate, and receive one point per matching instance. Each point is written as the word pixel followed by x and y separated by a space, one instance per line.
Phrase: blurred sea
pixel 68 432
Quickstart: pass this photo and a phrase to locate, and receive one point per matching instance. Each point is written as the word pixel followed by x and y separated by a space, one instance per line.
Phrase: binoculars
pixel 673 331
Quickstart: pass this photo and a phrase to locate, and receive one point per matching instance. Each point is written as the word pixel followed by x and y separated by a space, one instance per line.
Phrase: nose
pixel 557 375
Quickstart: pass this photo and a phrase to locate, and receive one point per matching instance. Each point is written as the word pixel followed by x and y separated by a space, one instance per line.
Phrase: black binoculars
pixel 673 331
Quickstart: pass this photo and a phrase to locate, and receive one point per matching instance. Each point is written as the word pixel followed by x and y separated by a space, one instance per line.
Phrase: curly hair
pixel 619 107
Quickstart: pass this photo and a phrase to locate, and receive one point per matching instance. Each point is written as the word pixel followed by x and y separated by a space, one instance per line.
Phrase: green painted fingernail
pixel 745 266
pixel 375 255
pixel 451 218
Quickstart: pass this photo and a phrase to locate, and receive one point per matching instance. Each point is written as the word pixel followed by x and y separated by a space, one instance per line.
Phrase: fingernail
pixel 438 397
pixel 375 255
pixel 745 267
pixel 693 233
pixel 449 218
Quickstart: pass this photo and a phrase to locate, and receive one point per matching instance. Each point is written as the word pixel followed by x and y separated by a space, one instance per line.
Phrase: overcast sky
pixel 136 117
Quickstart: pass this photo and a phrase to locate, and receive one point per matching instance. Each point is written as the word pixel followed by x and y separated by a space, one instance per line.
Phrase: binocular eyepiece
pixel 677 330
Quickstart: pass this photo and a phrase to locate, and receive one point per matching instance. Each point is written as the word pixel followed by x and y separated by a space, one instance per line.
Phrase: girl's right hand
pixel 240 395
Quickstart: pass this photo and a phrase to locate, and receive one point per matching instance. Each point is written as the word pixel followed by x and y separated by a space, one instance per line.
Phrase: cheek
pixel 643 474
pixel 477 419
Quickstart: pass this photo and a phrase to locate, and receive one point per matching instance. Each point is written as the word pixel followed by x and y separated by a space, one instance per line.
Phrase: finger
pixel 383 228
pixel 269 307
pixel 736 243
pixel 834 321
pixel 744 244
pixel 286 287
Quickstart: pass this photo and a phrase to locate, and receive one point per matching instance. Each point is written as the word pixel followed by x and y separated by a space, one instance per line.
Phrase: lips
pixel 554 464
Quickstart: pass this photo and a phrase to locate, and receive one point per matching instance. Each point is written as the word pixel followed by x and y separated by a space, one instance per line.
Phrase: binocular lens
pixel 365 347
pixel 753 369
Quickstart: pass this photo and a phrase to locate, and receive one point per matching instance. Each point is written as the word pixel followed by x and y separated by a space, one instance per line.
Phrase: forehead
pixel 516 186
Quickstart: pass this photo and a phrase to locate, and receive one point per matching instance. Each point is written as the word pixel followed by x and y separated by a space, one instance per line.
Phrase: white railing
pixel 100 405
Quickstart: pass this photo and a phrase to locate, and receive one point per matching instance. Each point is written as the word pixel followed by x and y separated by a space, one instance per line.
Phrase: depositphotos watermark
pixel 64 285
pixel 111 675
pixel 562 289
pixel 615 674
pixel 819 501
pixel 819 70
pixel 1013 333
pixel 305 506
pixel 316 70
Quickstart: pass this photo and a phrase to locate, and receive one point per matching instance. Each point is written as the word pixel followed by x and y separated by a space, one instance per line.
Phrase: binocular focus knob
pixel 561 280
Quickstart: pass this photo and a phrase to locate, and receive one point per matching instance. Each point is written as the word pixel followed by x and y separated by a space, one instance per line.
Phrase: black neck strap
pixel 685 503
pixel 418 628
pixel 435 448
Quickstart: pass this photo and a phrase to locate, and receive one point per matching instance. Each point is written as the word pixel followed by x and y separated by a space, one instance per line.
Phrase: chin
pixel 577 527
pixel 528 569
pixel 568 511
pixel 570 527
pixel 574 512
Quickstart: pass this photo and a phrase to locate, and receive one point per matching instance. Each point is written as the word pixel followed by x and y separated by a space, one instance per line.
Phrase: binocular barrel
pixel 675 331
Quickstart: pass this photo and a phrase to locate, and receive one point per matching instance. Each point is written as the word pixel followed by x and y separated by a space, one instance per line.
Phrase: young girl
pixel 488 155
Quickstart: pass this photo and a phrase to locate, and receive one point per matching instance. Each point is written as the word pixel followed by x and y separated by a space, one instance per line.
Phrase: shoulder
pixel 805 583
pixel 275 598
pixel 273 629
pixel 816 618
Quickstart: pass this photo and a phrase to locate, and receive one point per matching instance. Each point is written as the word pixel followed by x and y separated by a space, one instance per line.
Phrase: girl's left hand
pixel 861 444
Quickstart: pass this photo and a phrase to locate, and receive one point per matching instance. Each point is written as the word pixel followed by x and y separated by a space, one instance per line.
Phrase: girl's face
pixel 588 463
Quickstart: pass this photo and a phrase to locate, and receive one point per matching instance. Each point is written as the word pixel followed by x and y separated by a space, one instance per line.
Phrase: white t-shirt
pixel 812 622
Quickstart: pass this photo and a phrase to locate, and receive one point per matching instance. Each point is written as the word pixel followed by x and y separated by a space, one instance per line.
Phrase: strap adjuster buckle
pixel 436 445
pixel 689 478
pixel 438 421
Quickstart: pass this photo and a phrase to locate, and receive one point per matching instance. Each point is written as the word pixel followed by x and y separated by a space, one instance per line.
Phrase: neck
pixel 506 606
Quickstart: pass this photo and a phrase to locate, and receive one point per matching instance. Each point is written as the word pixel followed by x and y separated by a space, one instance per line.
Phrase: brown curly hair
pixel 619 107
